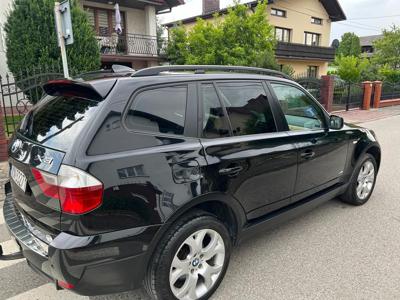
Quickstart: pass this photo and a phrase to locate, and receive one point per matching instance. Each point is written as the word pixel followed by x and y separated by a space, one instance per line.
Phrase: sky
pixel 364 17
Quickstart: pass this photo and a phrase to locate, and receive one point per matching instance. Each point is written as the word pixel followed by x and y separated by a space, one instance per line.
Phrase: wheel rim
pixel 197 265
pixel 365 180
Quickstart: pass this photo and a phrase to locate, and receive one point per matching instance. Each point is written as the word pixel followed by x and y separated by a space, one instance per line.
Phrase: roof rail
pixel 201 69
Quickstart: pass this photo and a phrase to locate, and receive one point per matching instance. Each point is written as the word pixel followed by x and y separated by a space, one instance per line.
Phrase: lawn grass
pixel 10 123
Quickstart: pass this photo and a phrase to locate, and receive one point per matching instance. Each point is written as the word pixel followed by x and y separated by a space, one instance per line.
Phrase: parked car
pixel 153 177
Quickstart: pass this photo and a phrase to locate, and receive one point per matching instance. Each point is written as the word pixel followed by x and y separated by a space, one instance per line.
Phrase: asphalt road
pixel 333 252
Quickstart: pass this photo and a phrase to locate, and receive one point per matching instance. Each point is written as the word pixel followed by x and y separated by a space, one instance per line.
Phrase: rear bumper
pixel 91 265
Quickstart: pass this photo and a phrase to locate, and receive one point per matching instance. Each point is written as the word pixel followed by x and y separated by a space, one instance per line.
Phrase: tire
pixel 352 195
pixel 175 255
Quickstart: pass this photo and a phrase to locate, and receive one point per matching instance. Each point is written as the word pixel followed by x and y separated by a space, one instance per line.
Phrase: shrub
pixel 31 39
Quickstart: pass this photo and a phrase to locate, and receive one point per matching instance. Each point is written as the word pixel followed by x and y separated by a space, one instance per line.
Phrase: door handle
pixel 234 171
pixel 308 154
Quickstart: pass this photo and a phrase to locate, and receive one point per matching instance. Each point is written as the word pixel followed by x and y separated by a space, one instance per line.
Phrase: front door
pixel 246 156
pixel 322 153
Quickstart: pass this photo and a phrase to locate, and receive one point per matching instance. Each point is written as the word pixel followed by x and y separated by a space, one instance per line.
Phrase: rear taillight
pixel 65 285
pixel 77 191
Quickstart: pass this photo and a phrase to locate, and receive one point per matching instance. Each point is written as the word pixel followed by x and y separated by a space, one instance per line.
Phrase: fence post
pixel 3 139
pixel 327 88
pixel 377 93
pixel 367 95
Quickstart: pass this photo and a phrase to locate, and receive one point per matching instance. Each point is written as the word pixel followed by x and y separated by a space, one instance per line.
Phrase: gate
pixel 347 95
pixel 312 85
pixel 18 93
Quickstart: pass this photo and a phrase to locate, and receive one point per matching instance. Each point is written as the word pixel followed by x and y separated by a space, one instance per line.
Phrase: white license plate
pixel 18 177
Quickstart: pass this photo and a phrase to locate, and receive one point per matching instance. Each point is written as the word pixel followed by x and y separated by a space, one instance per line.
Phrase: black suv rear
pixel 152 177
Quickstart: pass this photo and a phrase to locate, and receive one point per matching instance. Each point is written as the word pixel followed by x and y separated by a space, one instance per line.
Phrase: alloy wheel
pixel 197 265
pixel 365 180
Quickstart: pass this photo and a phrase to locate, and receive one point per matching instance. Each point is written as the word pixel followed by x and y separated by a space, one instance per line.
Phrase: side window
pixel 300 111
pixel 248 107
pixel 215 124
pixel 160 110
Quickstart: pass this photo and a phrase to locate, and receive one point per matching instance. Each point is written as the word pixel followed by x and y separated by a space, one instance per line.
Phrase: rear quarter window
pixel 159 110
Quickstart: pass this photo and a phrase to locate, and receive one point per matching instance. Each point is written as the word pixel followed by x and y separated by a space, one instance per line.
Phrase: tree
pixel 288 70
pixel 177 47
pixel 389 74
pixel 350 68
pixel 240 38
pixel 387 49
pixel 31 38
pixel 349 45
pixel 161 41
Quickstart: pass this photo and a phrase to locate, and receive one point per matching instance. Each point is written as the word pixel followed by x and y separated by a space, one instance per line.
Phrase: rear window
pixel 57 121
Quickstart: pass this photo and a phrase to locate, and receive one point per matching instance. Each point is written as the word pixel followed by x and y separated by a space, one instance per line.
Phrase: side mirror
pixel 336 122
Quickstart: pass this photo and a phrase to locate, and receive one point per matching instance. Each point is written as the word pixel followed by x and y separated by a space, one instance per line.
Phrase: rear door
pixel 47 132
pixel 246 156
pixel 322 152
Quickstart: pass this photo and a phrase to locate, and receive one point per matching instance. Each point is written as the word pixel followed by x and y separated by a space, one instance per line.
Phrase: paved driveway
pixel 334 252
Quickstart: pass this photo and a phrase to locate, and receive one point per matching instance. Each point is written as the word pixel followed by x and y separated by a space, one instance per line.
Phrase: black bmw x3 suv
pixel 152 176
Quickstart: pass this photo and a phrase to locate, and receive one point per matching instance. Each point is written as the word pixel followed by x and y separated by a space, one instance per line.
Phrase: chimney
pixel 210 6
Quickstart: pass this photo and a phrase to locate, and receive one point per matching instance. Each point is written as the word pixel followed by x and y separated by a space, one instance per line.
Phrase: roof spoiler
pixel 66 87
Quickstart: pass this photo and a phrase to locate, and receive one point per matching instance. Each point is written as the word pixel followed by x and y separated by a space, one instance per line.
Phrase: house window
pixel 282 34
pixel 312 39
pixel 312 71
pixel 315 20
pixel 278 12
pixel 103 20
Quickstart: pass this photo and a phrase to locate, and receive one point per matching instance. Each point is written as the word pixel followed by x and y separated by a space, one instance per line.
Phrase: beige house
pixel 302 28
pixel 136 46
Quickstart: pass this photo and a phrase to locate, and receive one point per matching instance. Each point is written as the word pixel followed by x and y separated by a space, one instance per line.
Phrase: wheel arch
pixel 371 148
pixel 224 207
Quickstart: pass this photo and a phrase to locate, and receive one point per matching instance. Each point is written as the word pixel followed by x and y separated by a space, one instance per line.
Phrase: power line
pixel 364 18
pixel 377 17
pixel 359 27
pixel 300 12
pixel 364 25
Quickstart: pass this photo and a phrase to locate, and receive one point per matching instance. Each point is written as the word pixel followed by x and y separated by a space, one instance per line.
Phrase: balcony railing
pixel 301 51
pixel 129 44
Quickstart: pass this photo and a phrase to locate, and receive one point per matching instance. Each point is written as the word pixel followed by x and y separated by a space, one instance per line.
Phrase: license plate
pixel 18 177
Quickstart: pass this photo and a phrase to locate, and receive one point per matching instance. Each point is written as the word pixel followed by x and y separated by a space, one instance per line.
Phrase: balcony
pixel 128 44
pixel 304 52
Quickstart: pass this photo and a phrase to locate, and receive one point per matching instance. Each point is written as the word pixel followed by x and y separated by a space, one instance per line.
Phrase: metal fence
pixel 311 84
pixel 390 90
pixel 19 91
pixel 347 95
pixel 129 44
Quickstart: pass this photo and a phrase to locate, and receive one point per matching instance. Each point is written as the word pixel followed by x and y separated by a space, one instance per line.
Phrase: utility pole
pixel 62 16
pixel 60 37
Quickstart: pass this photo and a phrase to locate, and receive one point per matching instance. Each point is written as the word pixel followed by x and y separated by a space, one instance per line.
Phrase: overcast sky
pixel 370 11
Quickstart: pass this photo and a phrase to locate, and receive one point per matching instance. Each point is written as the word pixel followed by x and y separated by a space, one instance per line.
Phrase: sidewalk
pixel 361 116
pixel 3 180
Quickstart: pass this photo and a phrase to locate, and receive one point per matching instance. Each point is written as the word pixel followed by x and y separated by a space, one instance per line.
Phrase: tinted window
pixel 300 111
pixel 248 107
pixel 214 122
pixel 57 121
pixel 160 110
